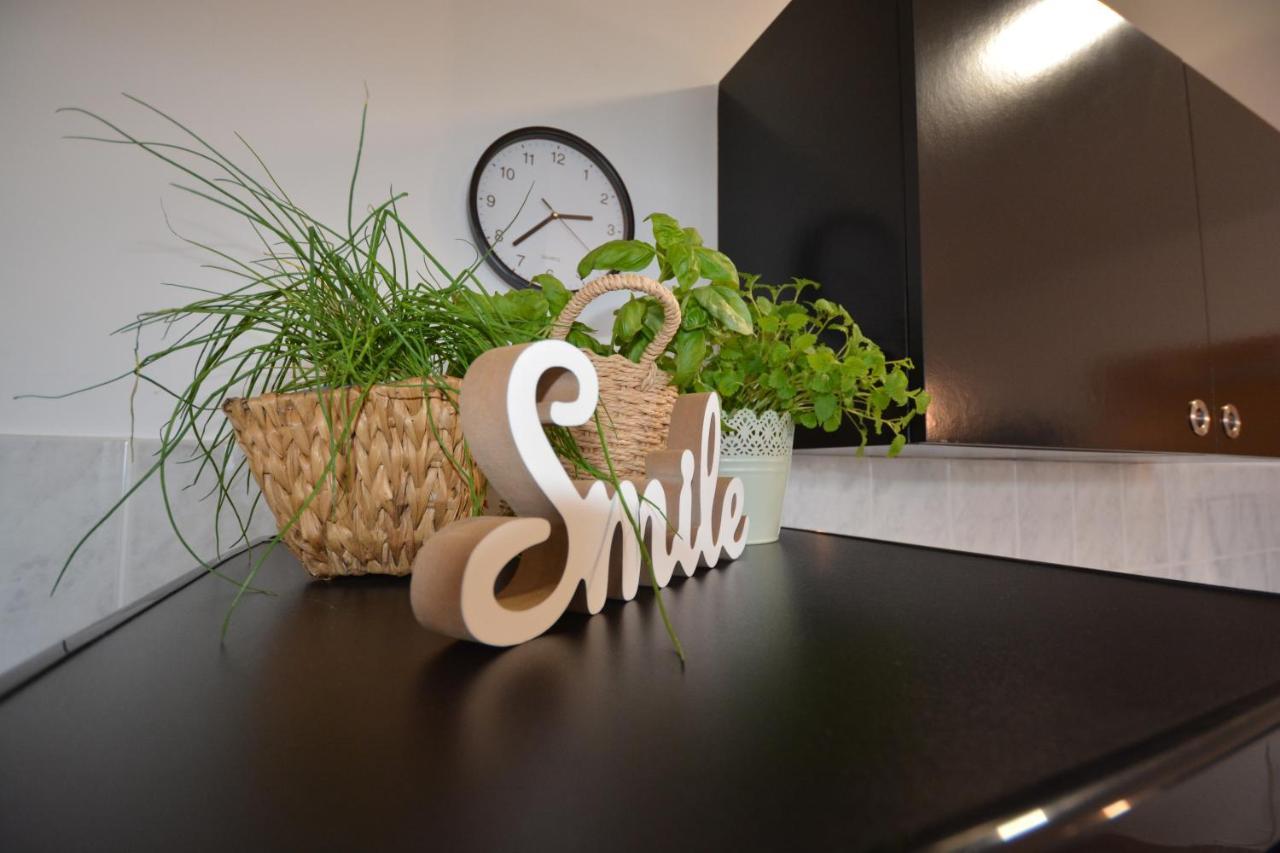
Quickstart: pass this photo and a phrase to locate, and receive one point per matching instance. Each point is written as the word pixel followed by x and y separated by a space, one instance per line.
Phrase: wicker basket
pixel 395 485
pixel 636 399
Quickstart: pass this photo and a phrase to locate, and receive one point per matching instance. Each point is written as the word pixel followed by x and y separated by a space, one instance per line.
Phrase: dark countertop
pixel 839 692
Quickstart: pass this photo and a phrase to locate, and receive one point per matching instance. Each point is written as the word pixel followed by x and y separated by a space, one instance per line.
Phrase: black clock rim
pixel 592 153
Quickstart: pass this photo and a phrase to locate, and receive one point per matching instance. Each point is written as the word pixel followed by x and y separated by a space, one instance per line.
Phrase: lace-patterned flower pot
pixel 757 448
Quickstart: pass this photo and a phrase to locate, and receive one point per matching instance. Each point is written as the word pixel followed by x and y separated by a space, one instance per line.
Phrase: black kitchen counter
pixel 839 693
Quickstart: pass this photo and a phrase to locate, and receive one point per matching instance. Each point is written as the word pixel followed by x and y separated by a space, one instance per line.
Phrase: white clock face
pixel 541 203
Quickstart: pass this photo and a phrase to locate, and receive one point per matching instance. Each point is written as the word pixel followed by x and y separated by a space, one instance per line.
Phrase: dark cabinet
pixel 1237 157
pixel 1061 291
pixel 1006 191
pixel 812 159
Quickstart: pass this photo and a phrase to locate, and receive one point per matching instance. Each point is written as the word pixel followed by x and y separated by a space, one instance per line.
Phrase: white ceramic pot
pixel 757 448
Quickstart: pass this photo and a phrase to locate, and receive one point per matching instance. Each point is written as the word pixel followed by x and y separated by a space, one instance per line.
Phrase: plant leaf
pixel 624 255
pixel 665 229
pixel 554 290
pixel 684 264
pixel 628 320
pixel 824 406
pixel 653 316
pixel 726 306
pixel 716 266
pixel 635 349
pixel 580 336
pixel 691 351
pixel 693 316
pixel 728 385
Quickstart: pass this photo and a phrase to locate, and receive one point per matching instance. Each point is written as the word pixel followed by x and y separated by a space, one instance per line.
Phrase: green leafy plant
pixel 524 315
pixel 711 312
pixel 809 359
pixel 760 347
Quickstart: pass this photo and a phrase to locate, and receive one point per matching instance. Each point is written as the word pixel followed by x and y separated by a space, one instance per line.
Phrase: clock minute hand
pixel 562 218
pixel 526 235
pixel 555 214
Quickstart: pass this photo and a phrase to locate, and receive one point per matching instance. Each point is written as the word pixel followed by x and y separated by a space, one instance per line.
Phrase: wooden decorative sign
pixel 575 543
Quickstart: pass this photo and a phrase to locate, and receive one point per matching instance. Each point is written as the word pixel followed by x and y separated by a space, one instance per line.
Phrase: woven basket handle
pixel 624 281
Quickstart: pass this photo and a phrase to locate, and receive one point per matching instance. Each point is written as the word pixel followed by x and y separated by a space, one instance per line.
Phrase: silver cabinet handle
pixel 1199 417
pixel 1231 421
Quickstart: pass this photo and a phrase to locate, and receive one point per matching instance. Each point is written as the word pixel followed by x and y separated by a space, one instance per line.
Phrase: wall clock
pixel 542 198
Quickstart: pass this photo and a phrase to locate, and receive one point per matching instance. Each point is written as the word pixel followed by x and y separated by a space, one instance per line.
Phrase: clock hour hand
pixel 526 235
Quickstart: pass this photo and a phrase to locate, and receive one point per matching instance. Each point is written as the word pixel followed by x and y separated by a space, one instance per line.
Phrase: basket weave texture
pixel 636 399
pixel 392 485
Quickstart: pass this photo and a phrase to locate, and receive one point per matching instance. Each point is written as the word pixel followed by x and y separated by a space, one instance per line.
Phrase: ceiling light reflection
pixel 1116 809
pixel 1045 35
pixel 1021 824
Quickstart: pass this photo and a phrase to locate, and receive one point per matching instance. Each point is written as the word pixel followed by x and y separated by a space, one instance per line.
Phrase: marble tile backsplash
pixel 1200 520
pixel 53 490
pixel 1206 521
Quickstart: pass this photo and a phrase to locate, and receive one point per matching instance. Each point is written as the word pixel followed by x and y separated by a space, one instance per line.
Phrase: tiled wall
pixel 52 490
pixel 1203 520
pixel 1209 521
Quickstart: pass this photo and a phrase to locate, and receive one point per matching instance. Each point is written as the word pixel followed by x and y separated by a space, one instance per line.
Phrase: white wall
pixel 81 229
pixel 1235 43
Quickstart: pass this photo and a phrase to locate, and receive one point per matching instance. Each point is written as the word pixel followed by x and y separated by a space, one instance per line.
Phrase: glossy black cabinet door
pixel 1061 283
pixel 811 164
pixel 1237 158
pixel 1071 233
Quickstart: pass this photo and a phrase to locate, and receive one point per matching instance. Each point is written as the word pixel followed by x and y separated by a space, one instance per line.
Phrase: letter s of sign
pixel 564 532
